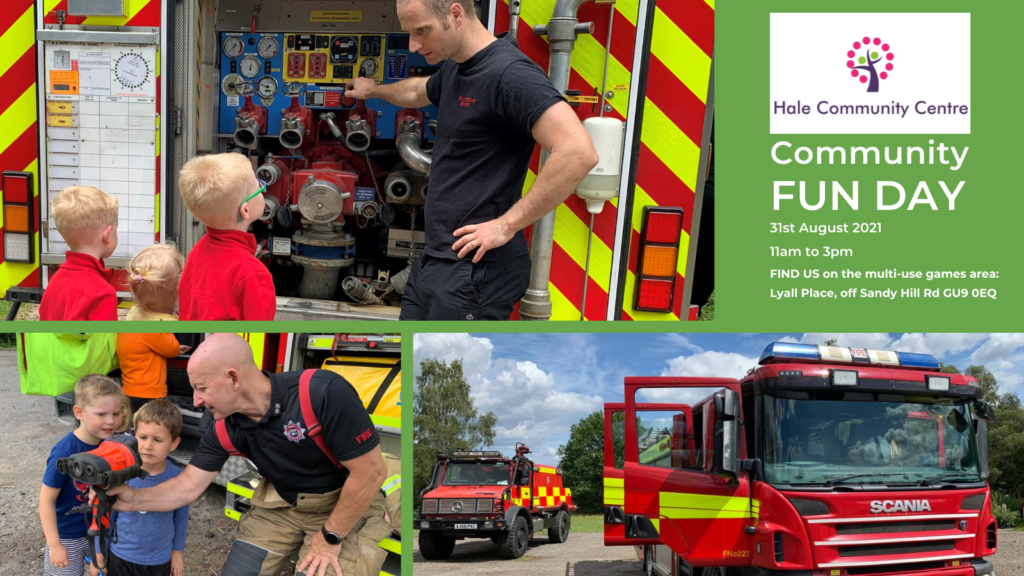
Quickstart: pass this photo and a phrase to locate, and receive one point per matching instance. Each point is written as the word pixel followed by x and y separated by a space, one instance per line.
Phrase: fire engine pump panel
pixel 346 179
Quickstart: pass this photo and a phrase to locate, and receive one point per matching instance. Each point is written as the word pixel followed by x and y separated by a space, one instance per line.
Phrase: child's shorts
pixel 77 547
pixel 119 567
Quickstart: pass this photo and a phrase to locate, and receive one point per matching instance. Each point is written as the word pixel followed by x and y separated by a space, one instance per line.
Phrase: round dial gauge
pixel 233 46
pixel 268 47
pixel 249 66
pixel 368 68
pixel 131 70
pixel 267 86
pixel 230 84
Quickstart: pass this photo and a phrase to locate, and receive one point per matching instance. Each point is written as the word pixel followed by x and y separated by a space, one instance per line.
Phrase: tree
pixel 868 60
pixel 582 462
pixel 832 342
pixel 1005 442
pixel 987 381
pixel 444 418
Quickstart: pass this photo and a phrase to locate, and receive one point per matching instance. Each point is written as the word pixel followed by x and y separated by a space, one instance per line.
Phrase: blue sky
pixel 540 384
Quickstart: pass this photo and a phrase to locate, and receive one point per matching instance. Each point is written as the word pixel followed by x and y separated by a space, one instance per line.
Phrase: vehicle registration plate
pixel 465 526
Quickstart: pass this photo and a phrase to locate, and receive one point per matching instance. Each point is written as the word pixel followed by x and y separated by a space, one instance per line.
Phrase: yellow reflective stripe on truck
pixel 546 470
pixel 691 506
pixel 614 492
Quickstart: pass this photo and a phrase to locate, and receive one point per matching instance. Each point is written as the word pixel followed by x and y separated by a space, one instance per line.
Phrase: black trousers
pixel 446 289
pixel 119 567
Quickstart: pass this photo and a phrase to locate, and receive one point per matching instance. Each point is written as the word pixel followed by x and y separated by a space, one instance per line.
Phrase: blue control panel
pixel 323 63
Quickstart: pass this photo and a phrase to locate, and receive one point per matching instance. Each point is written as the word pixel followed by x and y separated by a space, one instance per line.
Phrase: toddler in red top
pixel 87 220
pixel 222 279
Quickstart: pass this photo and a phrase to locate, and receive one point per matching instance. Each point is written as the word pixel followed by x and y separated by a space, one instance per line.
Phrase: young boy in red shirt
pixel 222 279
pixel 86 218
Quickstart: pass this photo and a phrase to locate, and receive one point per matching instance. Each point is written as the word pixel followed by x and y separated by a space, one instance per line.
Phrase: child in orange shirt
pixel 143 359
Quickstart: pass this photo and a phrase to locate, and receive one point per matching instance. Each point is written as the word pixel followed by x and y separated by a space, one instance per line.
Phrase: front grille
pixel 901 568
pixel 469 506
pixel 973 502
pixel 430 506
pixel 809 507
pixel 884 549
pixel 892 527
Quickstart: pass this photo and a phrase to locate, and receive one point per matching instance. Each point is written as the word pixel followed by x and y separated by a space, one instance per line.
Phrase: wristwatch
pixel 331 538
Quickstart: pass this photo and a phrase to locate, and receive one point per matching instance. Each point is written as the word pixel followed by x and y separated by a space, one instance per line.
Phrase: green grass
pixel 587 523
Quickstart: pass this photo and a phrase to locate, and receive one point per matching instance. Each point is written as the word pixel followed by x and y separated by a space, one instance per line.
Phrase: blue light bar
pixel 912 360
pixel 788 351
pixel 782 350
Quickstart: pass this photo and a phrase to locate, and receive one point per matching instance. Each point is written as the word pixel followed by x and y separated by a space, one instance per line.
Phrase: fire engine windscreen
pixel 820 438
pixel 477 474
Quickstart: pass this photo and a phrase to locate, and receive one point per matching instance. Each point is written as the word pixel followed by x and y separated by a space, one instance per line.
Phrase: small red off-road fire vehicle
pixel 483 495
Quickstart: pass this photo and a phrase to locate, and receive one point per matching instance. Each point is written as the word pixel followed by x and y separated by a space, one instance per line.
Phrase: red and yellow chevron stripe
pixel 677 87
pixel 19 142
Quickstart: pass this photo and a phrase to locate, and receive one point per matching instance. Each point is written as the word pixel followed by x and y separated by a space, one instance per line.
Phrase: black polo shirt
pixel 279 443
pixel 487 108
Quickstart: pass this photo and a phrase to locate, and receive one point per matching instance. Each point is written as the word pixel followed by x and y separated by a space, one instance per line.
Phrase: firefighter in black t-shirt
pixel 334 515
pixel 494 104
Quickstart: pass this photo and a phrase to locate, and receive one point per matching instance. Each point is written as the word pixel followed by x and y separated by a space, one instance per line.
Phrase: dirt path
pixel 583 554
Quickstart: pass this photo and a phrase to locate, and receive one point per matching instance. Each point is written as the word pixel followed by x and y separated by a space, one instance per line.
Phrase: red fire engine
pixel 822 461
pixel 483 495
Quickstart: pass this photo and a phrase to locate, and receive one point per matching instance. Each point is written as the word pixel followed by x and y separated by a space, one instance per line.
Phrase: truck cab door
pixel 695 500
pixel 614 456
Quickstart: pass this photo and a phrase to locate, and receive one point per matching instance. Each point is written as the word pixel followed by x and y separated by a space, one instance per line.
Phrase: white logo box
pixel 931 63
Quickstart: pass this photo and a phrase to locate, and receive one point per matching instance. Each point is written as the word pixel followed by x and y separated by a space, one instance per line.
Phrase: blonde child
pixel 102 410
pixel 151 542
pixel 223 280
pixel 153 276
pixel 86 218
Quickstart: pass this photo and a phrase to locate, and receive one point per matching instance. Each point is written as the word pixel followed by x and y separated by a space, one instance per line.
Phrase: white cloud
pixel 683 342
pixel 710 364
pixel 937 344
pixel 997 346
pixel 876 341
pixel 789 339
pixel 474 352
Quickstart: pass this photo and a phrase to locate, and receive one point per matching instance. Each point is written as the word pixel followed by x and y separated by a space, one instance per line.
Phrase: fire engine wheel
pixel 436 546
pixel 648 561
pixel 559 532
pixel 517 539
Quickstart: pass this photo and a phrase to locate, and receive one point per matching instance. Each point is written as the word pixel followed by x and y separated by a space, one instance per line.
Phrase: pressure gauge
pixel 250 66
pixel 131 70
pixel 62 60
pixel 368 68
pixel 230 84
pixel 267 86
pixel 233 46
pixel 268 47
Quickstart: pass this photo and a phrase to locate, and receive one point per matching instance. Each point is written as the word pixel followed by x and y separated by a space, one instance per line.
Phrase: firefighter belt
pixel 272 530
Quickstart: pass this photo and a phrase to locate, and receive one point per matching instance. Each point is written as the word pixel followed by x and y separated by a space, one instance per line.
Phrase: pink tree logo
pixel 874 52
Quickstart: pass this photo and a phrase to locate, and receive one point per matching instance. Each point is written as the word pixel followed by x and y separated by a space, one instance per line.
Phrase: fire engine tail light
pixel 658 257
pixel 18 241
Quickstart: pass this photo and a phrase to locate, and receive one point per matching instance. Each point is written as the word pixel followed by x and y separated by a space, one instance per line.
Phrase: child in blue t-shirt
pixel 102 410
pixel 150 543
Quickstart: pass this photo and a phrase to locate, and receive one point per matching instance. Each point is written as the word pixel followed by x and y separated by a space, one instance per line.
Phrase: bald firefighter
pixel 321 464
